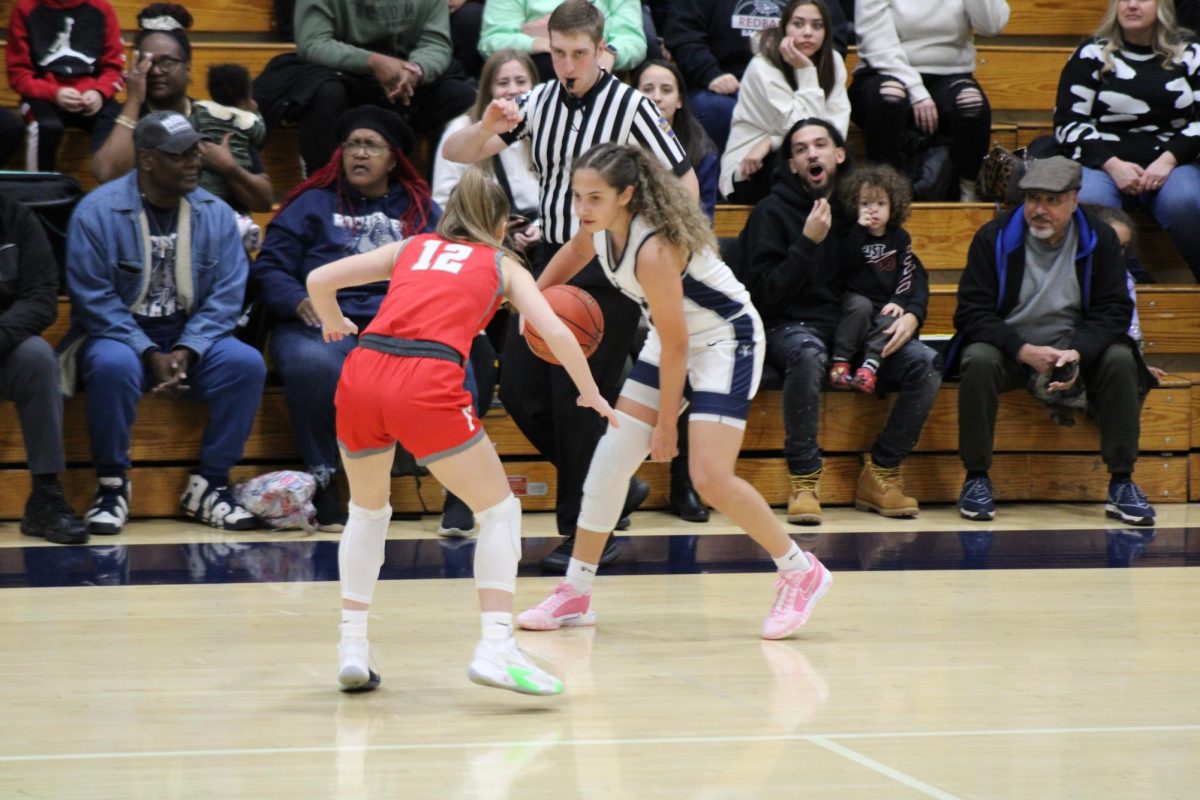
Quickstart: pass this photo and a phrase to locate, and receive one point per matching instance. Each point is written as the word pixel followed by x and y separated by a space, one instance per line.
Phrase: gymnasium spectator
pixel 522 25
pixel 64 60
pixel 796 74
pixel 1127 110
pixel 466 21
pixel 368 195
pixel 231 117
pixel 507 75
pixel 28 372
pixel 158 81
pixel 160 320
pixel 1056 305
pixel 396 55
pixel 793 272
pixel 916 61
pixel 663 83
pixel 713 54
pixel 12 136
pixel 584 106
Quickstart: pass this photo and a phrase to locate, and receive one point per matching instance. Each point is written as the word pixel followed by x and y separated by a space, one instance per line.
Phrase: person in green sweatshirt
pixel 394 53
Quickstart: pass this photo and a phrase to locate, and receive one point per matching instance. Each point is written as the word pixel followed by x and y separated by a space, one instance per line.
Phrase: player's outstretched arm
pixel 324 282
pixel 570 258
pixel 524 294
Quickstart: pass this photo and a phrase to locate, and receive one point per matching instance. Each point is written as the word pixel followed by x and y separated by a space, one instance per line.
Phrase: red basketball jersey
pixel 441 291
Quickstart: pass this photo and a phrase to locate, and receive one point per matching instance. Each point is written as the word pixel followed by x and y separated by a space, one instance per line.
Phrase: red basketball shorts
pixel 419 402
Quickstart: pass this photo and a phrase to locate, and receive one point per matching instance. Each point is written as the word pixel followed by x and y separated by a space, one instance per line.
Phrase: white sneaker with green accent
pixel 502 664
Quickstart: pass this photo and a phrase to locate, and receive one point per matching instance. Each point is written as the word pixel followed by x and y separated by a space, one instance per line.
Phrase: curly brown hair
pixel 884 177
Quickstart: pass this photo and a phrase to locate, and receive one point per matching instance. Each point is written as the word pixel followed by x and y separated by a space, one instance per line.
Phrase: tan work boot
pixel 881 490
pixel 803 506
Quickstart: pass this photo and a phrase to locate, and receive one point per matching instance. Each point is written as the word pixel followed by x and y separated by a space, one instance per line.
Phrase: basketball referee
pixel 563 119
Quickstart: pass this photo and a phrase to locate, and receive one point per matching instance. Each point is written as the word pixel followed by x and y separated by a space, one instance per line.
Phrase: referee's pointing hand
pixel 501 116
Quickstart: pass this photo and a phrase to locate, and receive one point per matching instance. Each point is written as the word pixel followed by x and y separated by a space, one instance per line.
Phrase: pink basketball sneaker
pixel 796 595
pixel 563 608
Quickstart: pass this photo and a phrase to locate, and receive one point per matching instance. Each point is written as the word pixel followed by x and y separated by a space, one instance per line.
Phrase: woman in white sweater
pixel 796 74
pixel 916 60
pixel 507 74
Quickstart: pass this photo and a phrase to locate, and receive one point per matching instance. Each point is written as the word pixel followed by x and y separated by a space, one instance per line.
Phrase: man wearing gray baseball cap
pixel 157 277
pixel 1043 296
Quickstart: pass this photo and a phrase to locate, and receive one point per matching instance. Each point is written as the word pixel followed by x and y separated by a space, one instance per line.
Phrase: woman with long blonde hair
pixel 404 383
pixel 1128 110
pixel 706 341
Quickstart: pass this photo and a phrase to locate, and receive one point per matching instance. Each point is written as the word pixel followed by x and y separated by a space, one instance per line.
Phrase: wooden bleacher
pixel 1036 459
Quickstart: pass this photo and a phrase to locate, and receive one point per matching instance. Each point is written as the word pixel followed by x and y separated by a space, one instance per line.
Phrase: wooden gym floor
pixel 178 662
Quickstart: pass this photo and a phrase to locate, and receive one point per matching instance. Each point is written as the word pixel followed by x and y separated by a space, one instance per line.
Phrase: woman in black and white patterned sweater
pixel 1128 109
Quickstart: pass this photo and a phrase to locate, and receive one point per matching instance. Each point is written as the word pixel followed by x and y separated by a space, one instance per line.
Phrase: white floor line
pixel 882 769
pixel 635 741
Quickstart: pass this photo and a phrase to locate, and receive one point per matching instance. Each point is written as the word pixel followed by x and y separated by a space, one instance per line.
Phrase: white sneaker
pixel 502 665
pixel 354 666
pixel 215 505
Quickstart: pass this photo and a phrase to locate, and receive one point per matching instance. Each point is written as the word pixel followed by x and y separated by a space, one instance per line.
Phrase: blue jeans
pixel 801 354
pixel 229 379
pixel 1176 206
pixel 310 369
pixel 714 111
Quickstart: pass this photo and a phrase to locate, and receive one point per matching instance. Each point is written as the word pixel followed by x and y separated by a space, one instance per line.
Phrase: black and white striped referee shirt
pixel 562 130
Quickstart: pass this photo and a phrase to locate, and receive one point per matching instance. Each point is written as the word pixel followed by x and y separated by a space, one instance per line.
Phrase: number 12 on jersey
pixel 442 256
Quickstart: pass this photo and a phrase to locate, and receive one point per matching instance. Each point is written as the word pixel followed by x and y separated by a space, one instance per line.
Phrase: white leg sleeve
pixel 618 455
pixel 360 554
pixel 498 549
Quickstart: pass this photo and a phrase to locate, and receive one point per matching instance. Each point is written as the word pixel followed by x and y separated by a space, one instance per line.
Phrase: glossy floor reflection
pixel 1003 684
pixel 301 560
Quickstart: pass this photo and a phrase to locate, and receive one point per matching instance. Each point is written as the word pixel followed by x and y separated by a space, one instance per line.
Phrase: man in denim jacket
pixel 156 273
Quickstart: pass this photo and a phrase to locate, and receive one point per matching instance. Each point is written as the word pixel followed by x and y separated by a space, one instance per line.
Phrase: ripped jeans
pixel 802 356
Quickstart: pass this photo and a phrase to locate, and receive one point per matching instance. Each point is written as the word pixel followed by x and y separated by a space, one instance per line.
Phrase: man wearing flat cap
pixel 157 275
pixel 1044 294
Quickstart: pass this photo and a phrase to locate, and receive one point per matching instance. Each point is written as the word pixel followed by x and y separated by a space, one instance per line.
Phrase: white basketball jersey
pixel 711 294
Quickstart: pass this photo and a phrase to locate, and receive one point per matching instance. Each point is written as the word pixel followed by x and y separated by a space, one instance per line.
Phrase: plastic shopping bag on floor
pixel 281 500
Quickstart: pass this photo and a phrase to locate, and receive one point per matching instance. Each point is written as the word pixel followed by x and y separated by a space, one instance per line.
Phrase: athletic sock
pixel 793 559
pixel 496 626
pixel 581 575
pixel 976 473
pixel 354 623
pixel 1119 477
pixel 871 364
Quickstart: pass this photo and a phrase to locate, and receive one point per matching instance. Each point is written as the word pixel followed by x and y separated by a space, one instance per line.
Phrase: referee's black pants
pixel 540 396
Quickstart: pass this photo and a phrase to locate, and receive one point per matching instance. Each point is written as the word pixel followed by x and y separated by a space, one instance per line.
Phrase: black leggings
pixel 963 120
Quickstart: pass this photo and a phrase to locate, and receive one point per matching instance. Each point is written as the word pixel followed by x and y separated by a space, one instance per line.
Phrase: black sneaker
pixel 332 513
pixel 556 560
pixel 110 508
pixel 215 505
pixel 457 520
pixel 49 516
pixel 639 490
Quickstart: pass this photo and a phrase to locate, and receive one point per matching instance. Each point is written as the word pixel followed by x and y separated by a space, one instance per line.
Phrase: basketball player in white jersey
pixel 706 342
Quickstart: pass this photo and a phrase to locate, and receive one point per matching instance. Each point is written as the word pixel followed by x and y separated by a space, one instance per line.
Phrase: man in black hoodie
pixel 28 371
pixel 793 269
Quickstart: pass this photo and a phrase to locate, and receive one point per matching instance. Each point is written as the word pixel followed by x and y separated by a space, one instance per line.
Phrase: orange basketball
pixel 579 311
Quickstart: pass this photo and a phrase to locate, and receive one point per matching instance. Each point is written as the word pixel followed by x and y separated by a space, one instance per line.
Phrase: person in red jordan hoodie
pixel 65 60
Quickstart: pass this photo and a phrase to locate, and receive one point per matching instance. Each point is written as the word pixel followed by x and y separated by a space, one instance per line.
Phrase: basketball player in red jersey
pixel 404 383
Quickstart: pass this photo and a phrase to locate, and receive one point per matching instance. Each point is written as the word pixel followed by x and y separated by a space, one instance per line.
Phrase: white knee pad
pixel 618 455
pixel 498 549
pixel 360 553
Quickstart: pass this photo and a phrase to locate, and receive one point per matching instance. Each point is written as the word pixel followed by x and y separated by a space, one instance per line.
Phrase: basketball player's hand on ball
pixel 664 441
pixel 501 116
pixel 338 330
pixel 597 403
